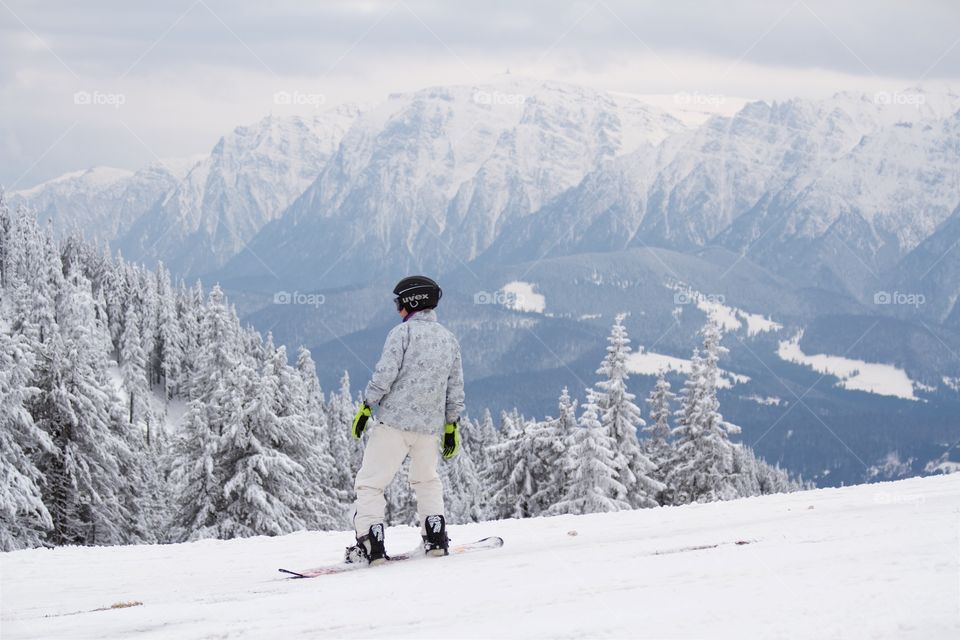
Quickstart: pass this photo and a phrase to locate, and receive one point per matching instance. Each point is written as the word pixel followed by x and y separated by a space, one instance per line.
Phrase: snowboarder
pixel 418 388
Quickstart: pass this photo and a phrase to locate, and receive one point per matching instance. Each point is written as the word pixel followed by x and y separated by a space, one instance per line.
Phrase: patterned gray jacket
pixel 418 383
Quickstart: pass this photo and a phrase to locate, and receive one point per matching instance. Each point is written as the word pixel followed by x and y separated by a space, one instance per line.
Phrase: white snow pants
pixel 383 456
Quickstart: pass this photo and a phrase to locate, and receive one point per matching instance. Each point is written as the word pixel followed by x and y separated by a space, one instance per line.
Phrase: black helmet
pixel 416 293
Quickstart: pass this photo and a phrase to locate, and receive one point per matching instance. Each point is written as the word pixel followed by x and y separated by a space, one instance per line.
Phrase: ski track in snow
pixel 870 561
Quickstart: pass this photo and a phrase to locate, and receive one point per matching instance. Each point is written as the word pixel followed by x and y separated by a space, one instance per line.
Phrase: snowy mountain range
pixel 102 202
pixel 429 180
pixel 832 193
pixel 836 218
pixel 194 214
pixel 249 179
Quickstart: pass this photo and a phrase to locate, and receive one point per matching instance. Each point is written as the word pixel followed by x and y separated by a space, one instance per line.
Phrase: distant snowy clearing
pixel 520 296
pixel 727 317
pixel 870 561
pixel 872 377
pixel 648 363
pixel 732 318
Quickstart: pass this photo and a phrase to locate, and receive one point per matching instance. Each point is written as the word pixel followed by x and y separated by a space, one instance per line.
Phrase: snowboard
pixel 493 542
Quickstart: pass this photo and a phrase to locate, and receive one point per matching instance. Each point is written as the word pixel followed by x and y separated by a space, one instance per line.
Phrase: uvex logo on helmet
pixel 415 299
pixel 416 293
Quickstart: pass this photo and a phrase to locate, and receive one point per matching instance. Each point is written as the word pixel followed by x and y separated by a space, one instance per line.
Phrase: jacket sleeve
pixel 387 367
pixel 455 389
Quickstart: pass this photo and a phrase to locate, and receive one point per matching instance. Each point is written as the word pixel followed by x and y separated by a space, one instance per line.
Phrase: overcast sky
pixel 188 71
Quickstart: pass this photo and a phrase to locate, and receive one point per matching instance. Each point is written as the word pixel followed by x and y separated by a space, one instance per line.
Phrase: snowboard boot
pixel 369 548
pixel 435 541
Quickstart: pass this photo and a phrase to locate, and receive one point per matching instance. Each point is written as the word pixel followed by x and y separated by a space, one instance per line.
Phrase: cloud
pixel 192 70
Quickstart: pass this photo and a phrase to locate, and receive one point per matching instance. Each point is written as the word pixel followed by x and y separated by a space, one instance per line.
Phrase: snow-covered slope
pixel 870 561
pixel 872 377
pixel 429 179
pixel 248 179
pixel 932 270
pixel 101 202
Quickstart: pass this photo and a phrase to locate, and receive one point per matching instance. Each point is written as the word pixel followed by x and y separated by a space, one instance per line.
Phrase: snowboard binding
pixel 435 541
pixel 370 548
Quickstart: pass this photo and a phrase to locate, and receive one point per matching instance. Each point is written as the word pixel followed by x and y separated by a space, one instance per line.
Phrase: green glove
pixel 360 420
pixel 451 440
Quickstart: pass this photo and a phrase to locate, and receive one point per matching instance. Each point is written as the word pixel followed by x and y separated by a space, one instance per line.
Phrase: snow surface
pixel 692 109
pixel 732 319
pixel 649 363
pixel 872 377
pixel 729 318
pixel 943 464
pixel 870 561
pixel 724 316
pixel 522 297
pixel 757 323
pixel 95 178
pixel 171 411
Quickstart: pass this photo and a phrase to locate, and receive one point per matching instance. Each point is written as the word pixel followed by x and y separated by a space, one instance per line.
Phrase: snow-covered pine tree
pixel 133 371
pixel 131 454
pixel 145 295
pixel 218 395
pixel 36 275
pixel 345 451
pixel 299 442
pixel 701 468
pixel 620 416
pixel 657 444
pixel 168 353
pixel 481 437
pixel 263 486
pixel 554 439
pixel 24 519
pixel 116 294
pixel 84 479
pixel 463 490
pixel 498 477
pixel 196 477
pixel 157 499
pixel 756 477
pixel 595 484
pixel 252 344
pixel 529 471
pixel 191 309
pixel 329 499
pixel 137 431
